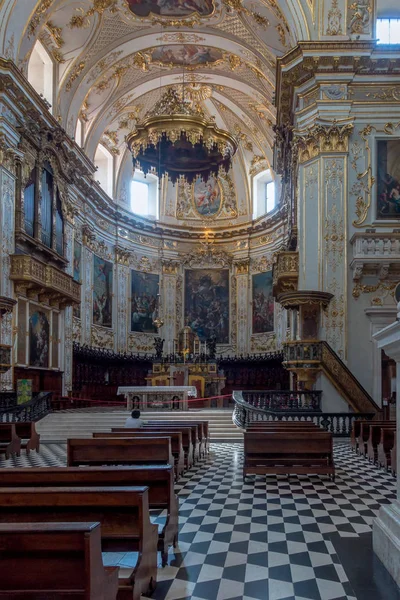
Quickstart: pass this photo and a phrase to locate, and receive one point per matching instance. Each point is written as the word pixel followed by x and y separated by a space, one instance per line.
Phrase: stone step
pixel 82 423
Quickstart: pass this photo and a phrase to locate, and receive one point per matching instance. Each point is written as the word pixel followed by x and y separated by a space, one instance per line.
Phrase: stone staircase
pixel 80 423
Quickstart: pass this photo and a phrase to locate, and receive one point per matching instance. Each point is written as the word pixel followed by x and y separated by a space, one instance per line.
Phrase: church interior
pixel 199 299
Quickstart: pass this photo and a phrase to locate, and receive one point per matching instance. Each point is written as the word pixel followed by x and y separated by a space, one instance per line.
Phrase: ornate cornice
pixel 322 138
pixel 304 297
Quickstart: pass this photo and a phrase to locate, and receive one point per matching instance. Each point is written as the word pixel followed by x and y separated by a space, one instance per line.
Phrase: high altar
pixel 191 364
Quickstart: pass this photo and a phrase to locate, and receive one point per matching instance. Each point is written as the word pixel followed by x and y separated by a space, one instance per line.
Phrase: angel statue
pixel 158 345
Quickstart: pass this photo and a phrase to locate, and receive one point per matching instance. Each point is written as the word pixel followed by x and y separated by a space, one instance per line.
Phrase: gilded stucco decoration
pixel 334 25
pixel 360 16
pixel 320 138
pixel 101 337
pixel 362 188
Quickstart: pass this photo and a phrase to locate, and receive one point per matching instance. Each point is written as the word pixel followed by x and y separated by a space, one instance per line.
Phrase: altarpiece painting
pixel 39 338
pixel 263 303
pixel 144 290
pixel 207 303
pixel 102 291
pixel 388 179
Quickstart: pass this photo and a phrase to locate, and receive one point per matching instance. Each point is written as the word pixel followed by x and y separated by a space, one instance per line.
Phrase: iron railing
pixel 339 424
pixel 34 410
pixel 281 400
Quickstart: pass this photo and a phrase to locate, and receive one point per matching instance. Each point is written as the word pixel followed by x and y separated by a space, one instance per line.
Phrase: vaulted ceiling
pixel 115 57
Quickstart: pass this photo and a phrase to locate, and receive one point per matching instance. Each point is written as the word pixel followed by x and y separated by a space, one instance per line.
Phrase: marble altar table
pixel 158 396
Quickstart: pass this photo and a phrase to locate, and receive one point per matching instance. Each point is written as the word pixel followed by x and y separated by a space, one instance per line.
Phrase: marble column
pixel 386 527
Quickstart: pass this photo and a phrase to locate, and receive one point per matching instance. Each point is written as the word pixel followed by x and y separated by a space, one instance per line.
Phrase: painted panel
pixel 186 54
pixel 77 273
pixel 207 197
pixel 171 8
pixel 102 291
pixel 39 337
pixel 207 303
pixel 388 179
pixel 144 290
pixel 263 303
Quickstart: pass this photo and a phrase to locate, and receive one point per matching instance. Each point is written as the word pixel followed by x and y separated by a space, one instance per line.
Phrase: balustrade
pixel 34 410
pixel 252 407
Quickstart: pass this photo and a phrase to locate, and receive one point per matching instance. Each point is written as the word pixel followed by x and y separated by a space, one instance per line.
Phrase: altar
pixel 158 397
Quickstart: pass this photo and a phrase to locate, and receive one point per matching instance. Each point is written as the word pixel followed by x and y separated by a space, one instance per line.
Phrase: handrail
pixel 318 355
pixel 282 400
pixel 339 381
pixel 34 410
pixel 339 424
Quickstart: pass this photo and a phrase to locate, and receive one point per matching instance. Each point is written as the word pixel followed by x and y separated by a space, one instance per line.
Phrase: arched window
pixel 41 72
pixel 59 226
pixel 29 203
pixel 388 31
pixel 46 208
pixel 144 195
pixel 103 160
pixel 79 133
pixel 264 193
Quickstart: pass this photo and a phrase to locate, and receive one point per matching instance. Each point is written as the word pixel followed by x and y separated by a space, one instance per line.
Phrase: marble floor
pixel 272 538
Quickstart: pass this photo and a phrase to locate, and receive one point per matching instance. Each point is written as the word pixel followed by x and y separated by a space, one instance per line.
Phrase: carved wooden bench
pixel 54 560
pixel 158 478
pixel 290 451
pixel 123 513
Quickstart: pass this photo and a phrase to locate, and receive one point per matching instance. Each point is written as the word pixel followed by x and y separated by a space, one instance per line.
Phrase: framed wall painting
pixel 144 290
pixel 102 291
pixel 207 303
pixel 388 179
pixel 263 303
pixel 39 337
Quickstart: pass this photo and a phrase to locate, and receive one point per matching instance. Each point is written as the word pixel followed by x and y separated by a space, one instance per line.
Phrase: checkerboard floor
pixel 267 539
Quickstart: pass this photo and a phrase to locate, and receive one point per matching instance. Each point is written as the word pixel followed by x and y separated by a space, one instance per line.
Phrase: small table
pixel 157 397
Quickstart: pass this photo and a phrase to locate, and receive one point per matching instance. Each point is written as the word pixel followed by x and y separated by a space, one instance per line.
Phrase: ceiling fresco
pixel 171 8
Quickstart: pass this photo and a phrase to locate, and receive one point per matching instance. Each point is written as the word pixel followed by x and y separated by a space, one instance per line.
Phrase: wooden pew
pixel 30 439
pixel 364 434
pixel 375 433
pixel 197 449
pixel 187 438
pixel 355 434
pixel 284 425
pixel 158 478
pixel 54 560
pixel 119 451
pixel 285 452
pixel 10 443
pixel 393 458
pixel 176 443
pixel 123 513
pixel 385 445
pixel 202 432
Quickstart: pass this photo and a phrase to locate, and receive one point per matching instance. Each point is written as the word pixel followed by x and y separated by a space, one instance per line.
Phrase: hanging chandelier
pixel 177 139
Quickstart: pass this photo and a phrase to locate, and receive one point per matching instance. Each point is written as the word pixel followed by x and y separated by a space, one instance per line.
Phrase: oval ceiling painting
pixel 171 8
pixel 186 54
pixel 207 197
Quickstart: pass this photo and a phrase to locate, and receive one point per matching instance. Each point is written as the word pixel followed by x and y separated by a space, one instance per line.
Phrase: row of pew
pixel 287 447
pixel 55 522
pixel 376 440
pixel 14 436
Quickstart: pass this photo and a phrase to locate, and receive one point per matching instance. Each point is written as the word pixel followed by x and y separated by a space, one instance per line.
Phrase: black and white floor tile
pixel 266 539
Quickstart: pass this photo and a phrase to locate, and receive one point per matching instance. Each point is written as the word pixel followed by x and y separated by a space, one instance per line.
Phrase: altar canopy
pixel 158 397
